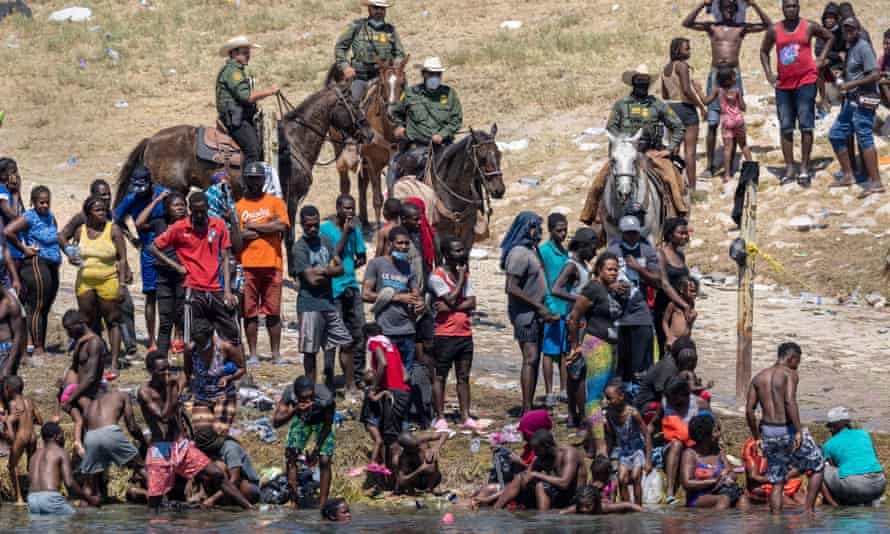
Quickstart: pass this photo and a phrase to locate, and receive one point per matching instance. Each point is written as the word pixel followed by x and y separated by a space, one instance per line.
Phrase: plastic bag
pixel 653 487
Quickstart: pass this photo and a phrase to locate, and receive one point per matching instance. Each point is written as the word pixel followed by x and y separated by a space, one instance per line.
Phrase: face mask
pixel 199 220
pixel 641 89
pixel 376 23
pixel 432 83
pixel 627 246
pixel 399 256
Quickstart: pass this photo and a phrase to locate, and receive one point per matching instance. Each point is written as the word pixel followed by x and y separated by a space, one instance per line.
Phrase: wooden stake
pixel 746 295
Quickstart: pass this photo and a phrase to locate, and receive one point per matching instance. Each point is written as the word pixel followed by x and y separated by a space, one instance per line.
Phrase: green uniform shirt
pixel 424 113
pixel 233 85
pixel 631 114
pixel 367 45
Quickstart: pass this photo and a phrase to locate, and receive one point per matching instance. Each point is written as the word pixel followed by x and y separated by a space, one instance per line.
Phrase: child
pixel 632 441
pixel 705 472
pixel 601 478
pixel 392 209
pixel 732 109
pixel 19 432
pixel 417 464
pixel 67 386
pixel 372 409
pixel 554 341
pixel 390 376
pixel 676 322
pixel 758 488
pixel 590 501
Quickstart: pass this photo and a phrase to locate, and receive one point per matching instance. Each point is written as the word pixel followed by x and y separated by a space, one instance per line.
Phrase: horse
pixel 383 91
pixel 464 175
pixel 629 183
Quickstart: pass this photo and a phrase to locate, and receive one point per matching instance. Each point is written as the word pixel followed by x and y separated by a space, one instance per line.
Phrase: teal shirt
pixel 554 260
pixel 853 452
pixel 354 247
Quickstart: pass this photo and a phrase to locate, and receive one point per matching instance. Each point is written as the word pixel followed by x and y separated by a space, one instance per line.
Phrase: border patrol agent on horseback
pixel 427 114
pixel 642 111
pixel 236 98
pixel 370 39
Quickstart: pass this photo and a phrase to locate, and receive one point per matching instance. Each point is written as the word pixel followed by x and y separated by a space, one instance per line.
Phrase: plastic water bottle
pixel 475 445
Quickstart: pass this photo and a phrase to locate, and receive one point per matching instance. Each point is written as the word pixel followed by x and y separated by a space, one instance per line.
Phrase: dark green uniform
pixel 424 113
pixel 651 114
pixel 367 44
pixel 233 87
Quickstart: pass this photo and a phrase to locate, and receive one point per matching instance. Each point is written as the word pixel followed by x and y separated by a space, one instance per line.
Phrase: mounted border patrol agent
pixel 370 39
pixel 236 97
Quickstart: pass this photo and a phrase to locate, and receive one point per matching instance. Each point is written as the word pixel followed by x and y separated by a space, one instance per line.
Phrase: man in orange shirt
pixel 263 219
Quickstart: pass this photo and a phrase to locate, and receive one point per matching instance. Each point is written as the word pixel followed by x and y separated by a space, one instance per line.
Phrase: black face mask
pixel 200 220
pixel 641 89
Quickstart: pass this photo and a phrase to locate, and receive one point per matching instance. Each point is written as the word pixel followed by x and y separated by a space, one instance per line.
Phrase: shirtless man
pixel 87 362
pixel 12 334
pixel 49 467
pixel 105 442
pixel 551 481
pixel 786 445
pixel 417 465
pixel 19 430
pixel 726 45
pixel 171 453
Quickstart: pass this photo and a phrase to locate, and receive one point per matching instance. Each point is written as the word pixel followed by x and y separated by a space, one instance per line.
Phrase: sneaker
pixel 440 424
pixel 550 401
pixel 563 397
pixel 253 361
pixel 671 501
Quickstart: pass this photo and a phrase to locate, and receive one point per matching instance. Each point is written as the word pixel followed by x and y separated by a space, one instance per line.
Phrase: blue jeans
pixel 853 119
pixel 405 344
pixel 797 105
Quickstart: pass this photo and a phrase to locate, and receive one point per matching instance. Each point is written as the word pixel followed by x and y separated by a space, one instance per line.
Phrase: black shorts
pixel 450 350
pixel 687 113
pixel 528 332
pixel 425 329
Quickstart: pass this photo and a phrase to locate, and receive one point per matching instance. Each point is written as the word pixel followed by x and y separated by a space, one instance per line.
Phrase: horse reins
pixel 479 176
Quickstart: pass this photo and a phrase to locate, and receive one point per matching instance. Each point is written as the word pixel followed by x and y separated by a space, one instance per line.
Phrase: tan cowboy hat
pixel 642 70
pixel 236 42
pixel 377 3
pixel 432 64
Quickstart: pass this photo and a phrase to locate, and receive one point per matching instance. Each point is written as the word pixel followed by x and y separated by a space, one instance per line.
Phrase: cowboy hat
pixel 432 64
pixel 642 70
pixel 377 3
pixel 236 42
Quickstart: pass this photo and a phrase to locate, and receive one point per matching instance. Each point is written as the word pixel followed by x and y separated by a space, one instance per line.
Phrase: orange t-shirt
pixel 265 251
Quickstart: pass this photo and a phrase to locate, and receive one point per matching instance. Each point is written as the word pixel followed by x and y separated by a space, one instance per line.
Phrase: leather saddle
pixel 216 146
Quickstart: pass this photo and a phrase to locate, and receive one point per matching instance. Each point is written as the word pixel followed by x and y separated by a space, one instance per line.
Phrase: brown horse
pixel 383 91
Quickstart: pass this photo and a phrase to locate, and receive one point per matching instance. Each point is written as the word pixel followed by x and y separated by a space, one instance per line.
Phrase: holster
pixel 235 115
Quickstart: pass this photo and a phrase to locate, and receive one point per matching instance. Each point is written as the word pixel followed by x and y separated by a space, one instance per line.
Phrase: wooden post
pixel 748 232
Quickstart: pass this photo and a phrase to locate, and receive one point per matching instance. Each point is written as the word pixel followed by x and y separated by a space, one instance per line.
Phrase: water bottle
pixel 528 180
pixel 73 252
pixel 475 445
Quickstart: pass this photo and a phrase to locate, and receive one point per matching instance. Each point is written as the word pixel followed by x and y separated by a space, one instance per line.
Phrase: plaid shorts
pixel 298 435
pixel 221 413
pixel 778 449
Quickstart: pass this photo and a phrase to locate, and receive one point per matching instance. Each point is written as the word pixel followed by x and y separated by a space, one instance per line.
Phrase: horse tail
pixel 123 178
pixel 335 75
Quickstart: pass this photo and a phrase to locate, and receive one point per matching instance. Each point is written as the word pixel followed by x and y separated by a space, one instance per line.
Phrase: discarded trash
pixel 511 24
pixel 594 131
pixel 528 180
pixel 812 298
pixel 448 519
pixel 121 104
pixel 475 444
pixel 855 231
pixel 263 428
pixel 82 63
pixel 95 28
pixel 478 253
pixel 588 147
pixel 71 14
pixel 71 162
pixel 513 146
pixel 254 398
pixel 112 54
pixel 616 7
pixel 805 223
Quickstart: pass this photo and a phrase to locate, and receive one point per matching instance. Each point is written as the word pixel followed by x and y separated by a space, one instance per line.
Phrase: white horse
pixel 628 183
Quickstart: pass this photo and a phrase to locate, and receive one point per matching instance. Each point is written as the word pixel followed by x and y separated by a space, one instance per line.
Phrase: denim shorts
pixel 797 105
pixel 853 119
pixel 714 106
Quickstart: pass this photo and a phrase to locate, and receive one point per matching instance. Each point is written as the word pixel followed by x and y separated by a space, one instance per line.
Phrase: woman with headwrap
pixel 526 289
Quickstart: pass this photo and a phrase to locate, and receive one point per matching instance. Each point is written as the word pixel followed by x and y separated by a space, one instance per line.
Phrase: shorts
pixel 853 119
pixel 105 446
pixel 149 273
pixel 48 503
pixel 395 412
pixel 222 411
pixel 555 339
pixel 632 459
pixel 262 293
pixel 449 350
pixel 5 354
pixel 797 106
pixel 321 330
pixel 298 435
pixel 559 498
pixel 714 106
pixel 166 460
pixel 778 449
pixel 736 132
pixel 854 490
pixel 202 307
pixel 687 113
pixel 425 329
pixel 106 289
pixel 527 332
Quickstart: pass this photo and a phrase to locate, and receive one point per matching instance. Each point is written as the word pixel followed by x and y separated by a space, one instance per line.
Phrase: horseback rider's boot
pixel 591 205
pixel 675 184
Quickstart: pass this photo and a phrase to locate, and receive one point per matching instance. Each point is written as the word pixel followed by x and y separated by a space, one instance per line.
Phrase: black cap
pixel 255 169
pixel 140 180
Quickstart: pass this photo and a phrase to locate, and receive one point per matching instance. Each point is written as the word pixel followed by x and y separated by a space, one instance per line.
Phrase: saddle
pixel 216 146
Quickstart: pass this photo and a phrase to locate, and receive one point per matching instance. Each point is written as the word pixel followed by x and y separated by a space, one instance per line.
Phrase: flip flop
pixel 785 180
pixel 109 376
pixel 845 182
pixel 803 180
pixel 869 191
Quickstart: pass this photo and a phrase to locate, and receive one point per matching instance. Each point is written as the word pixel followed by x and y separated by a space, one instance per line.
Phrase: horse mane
pixel 309 102
pixel 334 76
pixel 451 152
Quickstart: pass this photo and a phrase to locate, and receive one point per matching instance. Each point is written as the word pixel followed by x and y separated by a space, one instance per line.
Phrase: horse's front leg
pixel 364 172
pixel 374 175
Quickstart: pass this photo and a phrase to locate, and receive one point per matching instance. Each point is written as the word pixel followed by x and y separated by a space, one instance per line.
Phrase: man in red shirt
pixel 202 246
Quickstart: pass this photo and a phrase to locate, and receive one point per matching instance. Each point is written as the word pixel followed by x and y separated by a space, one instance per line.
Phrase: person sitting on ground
pixel 19 430
pixel 212 367
pixel 706 474
pixel 677 408
pixel 49 467
pixel 758 487
pixel 371 417
pixel 336 510
pixel 853 476
pixel 171 454
pixel 391 376
pixel 105 443
pixel 392 211
pixel 87 361
pixel 732 118
pixel 552 479
pixel 417 463
pixel 309 408
pixel 676 321
pixel 229 456
pixel 632 442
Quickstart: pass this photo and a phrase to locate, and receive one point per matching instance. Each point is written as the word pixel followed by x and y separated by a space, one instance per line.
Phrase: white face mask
pixel 433 82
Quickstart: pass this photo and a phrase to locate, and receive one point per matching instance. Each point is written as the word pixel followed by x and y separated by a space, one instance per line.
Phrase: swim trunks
pixel 104 446
pixel 48 503
pixel 5 353
pixel 778 448
pixel 165 460
pixel 298 436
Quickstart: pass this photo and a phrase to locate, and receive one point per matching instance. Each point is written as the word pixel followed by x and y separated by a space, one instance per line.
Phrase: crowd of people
pixel 615 321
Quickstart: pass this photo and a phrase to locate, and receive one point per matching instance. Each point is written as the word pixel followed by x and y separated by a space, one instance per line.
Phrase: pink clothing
pixel 732 117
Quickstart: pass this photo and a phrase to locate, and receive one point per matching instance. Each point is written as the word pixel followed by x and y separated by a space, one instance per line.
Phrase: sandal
pixel 868 191
pixel 786 179
pixel 844 182
pixel 803 180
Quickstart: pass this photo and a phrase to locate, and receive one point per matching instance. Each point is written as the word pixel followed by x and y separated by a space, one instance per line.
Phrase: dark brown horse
pixel 383 91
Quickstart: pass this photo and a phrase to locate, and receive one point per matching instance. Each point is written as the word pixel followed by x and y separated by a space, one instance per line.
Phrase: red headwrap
pixel 530 423
pixel 426 233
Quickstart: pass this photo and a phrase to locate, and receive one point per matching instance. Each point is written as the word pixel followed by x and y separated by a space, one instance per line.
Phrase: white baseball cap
pixel 837 414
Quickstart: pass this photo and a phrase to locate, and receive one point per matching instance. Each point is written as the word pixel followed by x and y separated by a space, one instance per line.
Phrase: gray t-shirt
pixel 233 455
pixel 860 61
pixel 310 255
pixel 322 403
pixel 524 264
pixel 396 319
pixel 636 308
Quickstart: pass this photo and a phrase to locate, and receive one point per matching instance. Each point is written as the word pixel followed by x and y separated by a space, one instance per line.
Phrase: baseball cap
pixel 838 413
pixel 629 223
